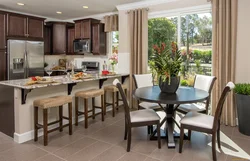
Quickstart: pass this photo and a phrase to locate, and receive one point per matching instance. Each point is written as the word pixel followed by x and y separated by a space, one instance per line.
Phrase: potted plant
pixel 165 64
pixel 113 61
pixel 242 95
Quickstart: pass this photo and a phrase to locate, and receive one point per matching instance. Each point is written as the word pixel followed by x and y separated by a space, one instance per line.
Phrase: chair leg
pixel 126 131
pixel 102 103
pixel 93 108
pixel 113 104
pixel 159 135
pixel 105 101
pixel 218 137
pixel 149 130
pixel 181 139
pixel 61 118
pixel 117 100
pixel 129 139
pixel 35 123
pixel 76 110
pixel 214 146
pixel 189 134
pixel 45 127
pixel 86 112
pixel 70 118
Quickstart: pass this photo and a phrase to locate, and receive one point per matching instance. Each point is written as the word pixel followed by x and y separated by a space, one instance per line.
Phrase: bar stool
pixel 45 104
pixel 113 90
pixel 85 95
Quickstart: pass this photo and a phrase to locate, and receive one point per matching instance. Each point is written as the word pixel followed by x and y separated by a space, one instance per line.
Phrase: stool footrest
pixel 94 114
pixel 58 128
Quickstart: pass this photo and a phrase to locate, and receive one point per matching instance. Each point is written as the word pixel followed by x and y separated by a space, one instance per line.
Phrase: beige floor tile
pixel 89 152
pixel 146 147
pixel 236 133
pixel 112 154
pixel 49 158
pixel 133 156
pixel 74 147
pixel 151 159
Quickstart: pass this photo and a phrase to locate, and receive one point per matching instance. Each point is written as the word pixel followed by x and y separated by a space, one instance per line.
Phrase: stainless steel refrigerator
pixel 25 59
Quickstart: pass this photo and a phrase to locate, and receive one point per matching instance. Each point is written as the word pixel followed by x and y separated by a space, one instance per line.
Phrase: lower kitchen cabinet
pixel 3 65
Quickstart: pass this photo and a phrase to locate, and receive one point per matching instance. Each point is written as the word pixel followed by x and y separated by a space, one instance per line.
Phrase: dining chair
pixel 145 80
pixel 205 83
pixel 145 117
pixel 205 123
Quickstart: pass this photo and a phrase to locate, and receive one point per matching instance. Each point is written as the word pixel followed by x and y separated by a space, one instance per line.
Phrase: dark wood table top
pixel 182 96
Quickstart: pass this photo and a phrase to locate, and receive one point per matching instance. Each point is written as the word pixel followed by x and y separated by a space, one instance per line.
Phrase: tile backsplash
pixel 50 59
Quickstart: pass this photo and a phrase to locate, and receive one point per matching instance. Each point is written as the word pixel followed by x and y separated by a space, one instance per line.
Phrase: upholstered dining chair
pixel 205 123
pixel 205 83
pixel 145 80
pixel 145 117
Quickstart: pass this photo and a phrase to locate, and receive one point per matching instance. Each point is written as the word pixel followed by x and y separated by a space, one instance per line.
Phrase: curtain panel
pixel 138 27
pixel 111 23
pixel 224 14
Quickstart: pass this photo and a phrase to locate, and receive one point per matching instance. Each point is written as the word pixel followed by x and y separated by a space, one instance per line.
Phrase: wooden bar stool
pixel 85 95
pixel 45 104
pixel 114 91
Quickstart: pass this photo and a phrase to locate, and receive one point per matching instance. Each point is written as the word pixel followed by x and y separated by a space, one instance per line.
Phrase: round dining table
pixel 171 102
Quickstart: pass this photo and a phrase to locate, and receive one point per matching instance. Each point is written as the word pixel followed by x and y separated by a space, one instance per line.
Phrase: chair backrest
pixel 117 83
pixel 204 82
pixel 143 80
pixel 230 86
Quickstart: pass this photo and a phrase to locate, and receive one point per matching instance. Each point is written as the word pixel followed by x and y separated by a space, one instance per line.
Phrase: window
pixel 193 33
pixel 114 42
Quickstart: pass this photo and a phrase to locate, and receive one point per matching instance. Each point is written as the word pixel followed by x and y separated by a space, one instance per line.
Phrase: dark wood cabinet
pixel 17 25
pixel 24 26
pixel 86 29
pixel 70 40
pixel 78 30
pixel 98 39
pixel 47 40
pixel 83 28
pixel 59 38
pixel 2 31
pixel 35 27
pixel 3 65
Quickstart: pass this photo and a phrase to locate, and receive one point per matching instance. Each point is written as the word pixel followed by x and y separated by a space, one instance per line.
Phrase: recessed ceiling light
pixel 20 4
pixel 58 12
pixel 85 7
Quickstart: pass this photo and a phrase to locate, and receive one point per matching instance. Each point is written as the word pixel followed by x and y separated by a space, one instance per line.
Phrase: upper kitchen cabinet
pixel 70 40
pixel 56 37
pixel 83 28
pixel 98 39
pixel 17 25
pixel 24 26
pixel 3 31
pixel 35 27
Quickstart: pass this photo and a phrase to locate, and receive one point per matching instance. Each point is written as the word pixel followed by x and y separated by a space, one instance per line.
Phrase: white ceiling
pixel 70 8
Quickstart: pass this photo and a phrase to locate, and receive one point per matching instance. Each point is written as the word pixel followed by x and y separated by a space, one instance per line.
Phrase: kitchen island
pixel 16 101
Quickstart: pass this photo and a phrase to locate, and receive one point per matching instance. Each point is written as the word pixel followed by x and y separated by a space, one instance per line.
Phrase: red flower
pixel 163 46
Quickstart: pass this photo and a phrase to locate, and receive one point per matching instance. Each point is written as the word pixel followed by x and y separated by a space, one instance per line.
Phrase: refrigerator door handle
pixel 25 64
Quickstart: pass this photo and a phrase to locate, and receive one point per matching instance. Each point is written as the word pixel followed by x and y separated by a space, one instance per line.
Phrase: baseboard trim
pixel 27 136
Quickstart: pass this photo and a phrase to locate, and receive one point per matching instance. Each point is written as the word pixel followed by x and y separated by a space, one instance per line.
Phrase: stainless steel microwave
pixel 82 46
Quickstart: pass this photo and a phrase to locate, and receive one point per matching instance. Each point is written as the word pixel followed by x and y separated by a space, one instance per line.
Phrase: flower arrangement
pixel 113 59
pixel 165 61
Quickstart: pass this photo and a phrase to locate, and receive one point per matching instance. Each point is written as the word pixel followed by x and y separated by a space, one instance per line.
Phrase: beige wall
pixel 243 50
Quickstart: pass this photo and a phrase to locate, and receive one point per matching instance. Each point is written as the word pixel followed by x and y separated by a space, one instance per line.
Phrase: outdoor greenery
pixel 195 37
pixel 242 88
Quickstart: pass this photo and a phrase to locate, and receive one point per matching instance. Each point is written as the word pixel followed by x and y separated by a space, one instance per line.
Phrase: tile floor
pixel 103 141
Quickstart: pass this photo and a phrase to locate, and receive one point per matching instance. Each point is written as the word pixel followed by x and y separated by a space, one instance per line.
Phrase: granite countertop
pixel 59 80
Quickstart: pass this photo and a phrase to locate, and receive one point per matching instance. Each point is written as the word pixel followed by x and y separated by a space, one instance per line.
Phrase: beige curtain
pixel 111 23
pixel 138 26
pixel 224 14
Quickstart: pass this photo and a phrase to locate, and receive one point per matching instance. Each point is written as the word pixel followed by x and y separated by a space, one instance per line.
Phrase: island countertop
pixel 59 80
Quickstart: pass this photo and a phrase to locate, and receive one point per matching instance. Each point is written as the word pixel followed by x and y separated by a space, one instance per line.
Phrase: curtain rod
pixel 147 9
